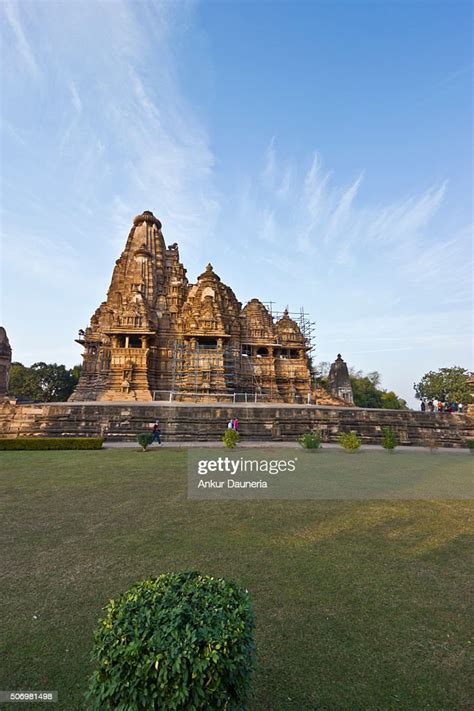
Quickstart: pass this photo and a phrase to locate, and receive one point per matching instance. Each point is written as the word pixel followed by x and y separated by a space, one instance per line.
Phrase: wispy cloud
pixel 323 220
pixel 12 12
pixel 75 98
pixel 103 132
pixel 120 115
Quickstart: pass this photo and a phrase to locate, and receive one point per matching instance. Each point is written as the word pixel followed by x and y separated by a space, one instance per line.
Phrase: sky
pixel 319 154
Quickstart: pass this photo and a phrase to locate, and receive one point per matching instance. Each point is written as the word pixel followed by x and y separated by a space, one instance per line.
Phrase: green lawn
pixel 359 604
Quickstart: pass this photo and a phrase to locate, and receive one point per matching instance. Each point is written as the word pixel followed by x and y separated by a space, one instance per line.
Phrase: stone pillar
pixel 5 362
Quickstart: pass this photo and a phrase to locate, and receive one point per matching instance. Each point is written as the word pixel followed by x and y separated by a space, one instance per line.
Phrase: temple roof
pixel 209 273
pixel 147 216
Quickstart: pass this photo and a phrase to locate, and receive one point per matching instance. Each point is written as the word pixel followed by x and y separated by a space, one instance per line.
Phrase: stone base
pixel 265 422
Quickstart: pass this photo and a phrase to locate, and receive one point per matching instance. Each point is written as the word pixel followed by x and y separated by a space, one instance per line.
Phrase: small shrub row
pixel 178 641
pixel 29 443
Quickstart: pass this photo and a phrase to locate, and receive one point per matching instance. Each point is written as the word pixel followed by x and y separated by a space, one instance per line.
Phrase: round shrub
pixel 179 641
pixel 144 439
pixel 350 441
pixel 310 440
pixel 230 438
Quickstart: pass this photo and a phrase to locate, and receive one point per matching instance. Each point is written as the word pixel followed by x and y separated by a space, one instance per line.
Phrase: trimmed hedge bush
pixel 144 439
pixel 51 443
pixel 179 641
pixel 310 440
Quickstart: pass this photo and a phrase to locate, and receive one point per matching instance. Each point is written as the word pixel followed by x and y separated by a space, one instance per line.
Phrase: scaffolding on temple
pixel 302 318
pixel 230 373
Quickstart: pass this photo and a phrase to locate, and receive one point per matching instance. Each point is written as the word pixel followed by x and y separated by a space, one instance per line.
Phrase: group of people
pixel 233 424
pixel 440 406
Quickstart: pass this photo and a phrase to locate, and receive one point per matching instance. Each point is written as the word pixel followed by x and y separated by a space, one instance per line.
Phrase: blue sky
pixel 318 153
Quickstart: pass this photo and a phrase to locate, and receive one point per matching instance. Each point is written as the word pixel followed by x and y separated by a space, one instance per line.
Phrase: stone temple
pixel 158 337
pixel 340 382
pixel 5 362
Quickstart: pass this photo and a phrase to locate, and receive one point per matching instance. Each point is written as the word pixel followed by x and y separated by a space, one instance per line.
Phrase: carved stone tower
pixel 339 380
pixel 158 337
pixel 5 362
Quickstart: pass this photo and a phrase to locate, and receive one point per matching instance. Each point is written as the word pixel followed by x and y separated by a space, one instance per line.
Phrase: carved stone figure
pixel 192 340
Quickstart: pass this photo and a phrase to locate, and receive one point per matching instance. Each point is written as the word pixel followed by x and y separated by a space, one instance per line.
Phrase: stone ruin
pixel 159 337
pixel 5 362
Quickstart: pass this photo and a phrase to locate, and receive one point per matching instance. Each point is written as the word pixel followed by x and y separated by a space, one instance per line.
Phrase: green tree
pixel 446 384
pixel 24 382
pixel 320 375
pixel 365 393
pixel 391 401
pixel 43 382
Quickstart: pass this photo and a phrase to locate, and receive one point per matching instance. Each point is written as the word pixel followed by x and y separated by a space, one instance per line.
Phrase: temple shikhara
pixel 159 337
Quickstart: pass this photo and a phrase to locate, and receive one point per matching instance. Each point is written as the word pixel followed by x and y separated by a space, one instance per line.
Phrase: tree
pixel 43 382
pixel 365 393
pixel 391 401
pixel 24 382
pixel 445 384
pixel 320 375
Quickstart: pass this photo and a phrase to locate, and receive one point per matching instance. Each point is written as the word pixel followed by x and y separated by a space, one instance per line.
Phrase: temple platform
pixel 262 422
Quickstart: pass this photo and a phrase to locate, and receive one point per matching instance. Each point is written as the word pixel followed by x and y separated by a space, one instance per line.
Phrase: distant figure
pixel 431 406
pixel 423 406
pixel 235 424
pixel 460 407
pixel 156 433
pixel 440 406
pixel 230 425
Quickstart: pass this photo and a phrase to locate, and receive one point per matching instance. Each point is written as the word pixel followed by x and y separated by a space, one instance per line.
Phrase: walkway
pixel 275 445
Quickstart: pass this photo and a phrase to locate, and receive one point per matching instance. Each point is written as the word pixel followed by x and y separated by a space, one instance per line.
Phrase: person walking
pixel 423 406
pixel 431 406
pixel 156 433
pixel 235 424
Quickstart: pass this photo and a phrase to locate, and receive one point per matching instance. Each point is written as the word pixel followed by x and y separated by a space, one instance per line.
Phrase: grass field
pixel 359 604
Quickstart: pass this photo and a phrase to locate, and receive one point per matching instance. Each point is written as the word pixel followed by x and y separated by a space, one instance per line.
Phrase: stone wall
pixel 190 422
